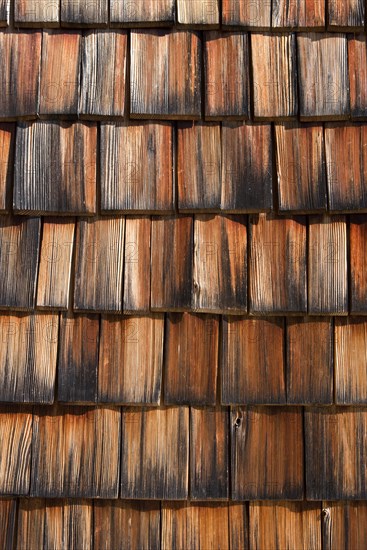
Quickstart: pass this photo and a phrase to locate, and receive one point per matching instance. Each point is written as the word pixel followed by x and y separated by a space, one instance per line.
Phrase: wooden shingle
pixel 357 62
pixel 346 15
pixel 170 85
pixel 55 168
pixel 159 438
pixel 75 452
pixel 252 364
pixel 4 12
pixel 267 453
pixel 103 74
pixel 31 523
pixel 7 143
pixel 36 13
pixel 298 14
pixel 277 264
pixel 131 359
pixel 81 13
pixel 8 522
pixel 191 359
pixel 351 360
pixel 301 168
pixel 137 167
pixel 358 263
pixel 198 14
pixel 323 76
pixel 145 13
pixel 137 265
pixel 226 63
pixel 344 525
pixel 252 15
pixel 274 76
pixel 20 55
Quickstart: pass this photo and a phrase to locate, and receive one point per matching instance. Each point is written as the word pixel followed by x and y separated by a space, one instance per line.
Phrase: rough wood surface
pixel 323 76
pixel 31 523
pixel 310 355
pixel 15 450
pixel 55 168
pixel 75 452
pixel 36 13
pixel 7 142
pixel 8 521
pixel 191 359
pixel 336 453
pixel 126 525
pixel 301 167
pixel 277 264
pixel 226 65
pixel 327 266
pixel 274 67
pixel 252 364
pixel 137 167
pixel 60 73
pixel 247 167
pixel 103 74
pixel 357 62
pixel 347 15
pixel 345 525
pixel 131 359
pixel 19 250
pixel 142 13
pixel 298 14
pixel 53 286
pixel 80 13
pixel 170 85
pixel 171 263
pixel 198 14
pixel 28 349
pixel 20 55
pixel 351 360
pixel 99 262
pixel 346 162
pixel 137 265
pixel 220 264
pixel 267 453
pixel 199 166
pixel 159 438
pixel 209 460
pixel 358 264
pixel 285 525
pixel 4 12
pixel 253 15
pixel 78 358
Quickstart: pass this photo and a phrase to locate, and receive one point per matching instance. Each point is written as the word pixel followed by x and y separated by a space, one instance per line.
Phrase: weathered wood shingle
pixel 36 13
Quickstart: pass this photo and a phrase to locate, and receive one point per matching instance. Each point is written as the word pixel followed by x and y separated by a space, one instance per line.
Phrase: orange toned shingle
pixel 351 361
pixel 8 511
pixel 358 264
pixel 7 142
pixel 298 14
pixel 137 265
pixel 255 14
pixel 36 13
pixel 345 524
pixel 346 15
pixel 81 13
pixel 147 13
pixel 357 63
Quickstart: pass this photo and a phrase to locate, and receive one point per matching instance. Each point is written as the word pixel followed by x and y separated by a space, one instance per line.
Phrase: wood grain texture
pixel 285 525
pixel 137 167
pixel 274 67
pixel 198 166
pixel 253 15
pixel 131 359
pixel 170 85
pixel 60 78
pixel 198 14
pixel 4 12
pixel 99 262
pixel 103 74
pixel 7 143
pixel 77 366
pixel 327 266
pixel 8 516
pixel 171 263
pixel 335 444
pixel 298 14
pixel 126 525
pixel 79 13
pixel 301 168
pixel 191 359
pixel 55 168
pixel 357 64
pixel 220 264
pixel 19 250
pixel 75 452
pixel 247 167
pixel 28 349
pixel 347 15
pixel 226 65
pixel 137 265
pixel 277 264
pixel 209 460
pixel 31 523
pixel 252 361
pixel 15 450
pixel 53 286
pixel 345 525
pixel 20 55
pixel 346 162
pixel 36 13
pixel 267 453
pixel 358 263
pixel 310 361
pixel 155 453
pixel 351 360
pixel 142 13
pixel 323 76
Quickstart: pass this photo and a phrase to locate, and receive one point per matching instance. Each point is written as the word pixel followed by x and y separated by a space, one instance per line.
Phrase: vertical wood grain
pixel 351 361
pixel 357 63
pixel 79 13
pixel 4 12
pixel 347 15
pixel 7 142
pixel 137 265
pixel 36 13
pixel 198 14
pixel 8 515
pixel 31 523
pixel 298 14
pixel 152 13
pixel 253 15
pixel 347 523
pixel 358 263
